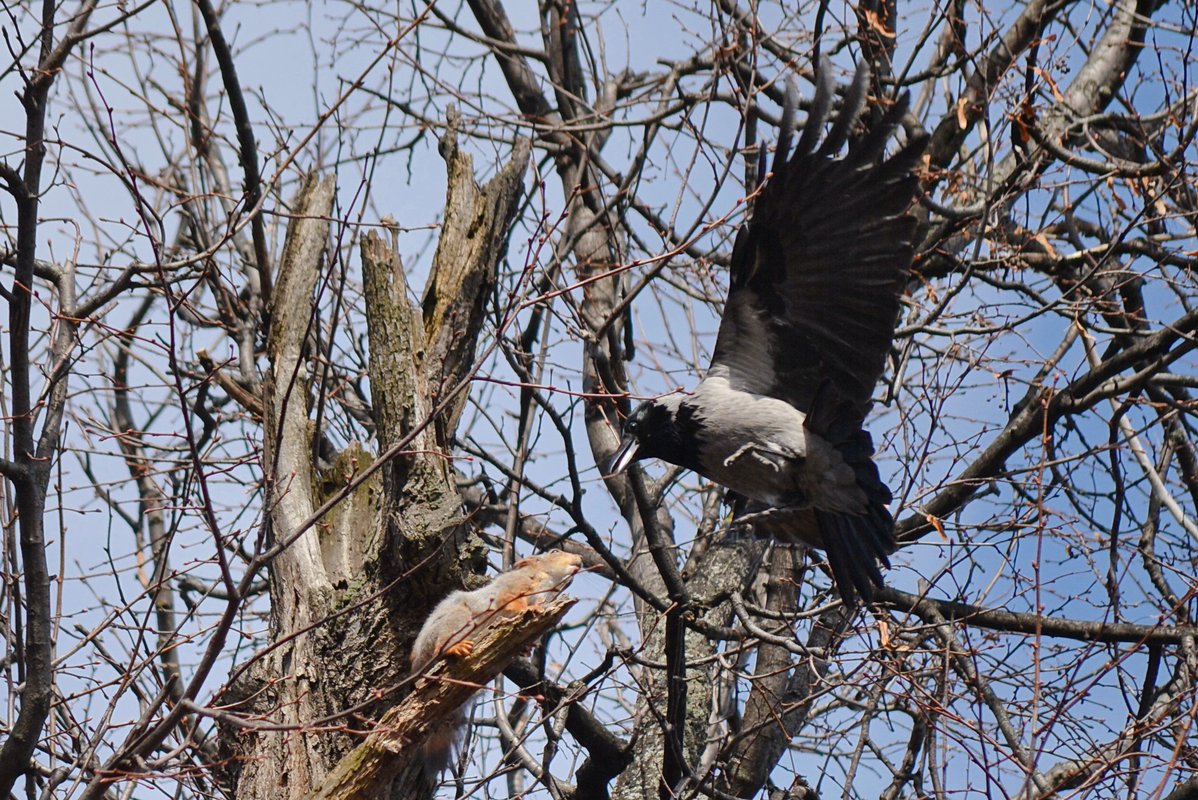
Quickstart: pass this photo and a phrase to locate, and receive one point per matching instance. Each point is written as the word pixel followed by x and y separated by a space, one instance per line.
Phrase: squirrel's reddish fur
pixel 449 630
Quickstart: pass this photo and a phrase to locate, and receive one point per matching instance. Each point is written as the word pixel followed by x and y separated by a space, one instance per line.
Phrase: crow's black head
pixel 665 428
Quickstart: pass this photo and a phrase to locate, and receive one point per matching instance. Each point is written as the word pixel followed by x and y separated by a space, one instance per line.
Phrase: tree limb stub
pixel 301 591
pixel 396 345
pixel 288 453
pixel 472 243
pixel 393 745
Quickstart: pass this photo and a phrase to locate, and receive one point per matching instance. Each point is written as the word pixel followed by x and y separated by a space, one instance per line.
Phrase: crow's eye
pixel 630 426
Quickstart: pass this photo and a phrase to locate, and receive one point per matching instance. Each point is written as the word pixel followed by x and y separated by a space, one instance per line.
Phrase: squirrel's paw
pixel 460 649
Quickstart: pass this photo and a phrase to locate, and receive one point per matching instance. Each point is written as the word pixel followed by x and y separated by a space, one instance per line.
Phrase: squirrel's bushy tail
pixel 439 746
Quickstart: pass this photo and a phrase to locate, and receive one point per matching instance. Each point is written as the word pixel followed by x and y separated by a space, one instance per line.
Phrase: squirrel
pixel 447 632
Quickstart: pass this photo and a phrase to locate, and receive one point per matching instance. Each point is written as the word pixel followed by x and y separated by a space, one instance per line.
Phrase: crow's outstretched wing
pixel 816 273
pixel 812 304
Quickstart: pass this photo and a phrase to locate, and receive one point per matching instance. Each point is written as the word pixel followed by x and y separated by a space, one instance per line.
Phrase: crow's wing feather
pixel 816 273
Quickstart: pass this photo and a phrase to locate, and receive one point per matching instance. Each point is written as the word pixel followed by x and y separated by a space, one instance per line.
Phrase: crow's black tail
pixel 857 543
pixel 857 546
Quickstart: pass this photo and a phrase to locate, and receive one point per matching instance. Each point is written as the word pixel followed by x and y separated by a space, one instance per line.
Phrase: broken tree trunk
pixel 350 589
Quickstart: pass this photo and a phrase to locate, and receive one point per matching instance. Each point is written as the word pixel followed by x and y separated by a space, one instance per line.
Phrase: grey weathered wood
pixel 289 676
pixel 473 241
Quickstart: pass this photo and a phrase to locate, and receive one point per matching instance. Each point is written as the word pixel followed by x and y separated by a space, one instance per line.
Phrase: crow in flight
pixel 812 305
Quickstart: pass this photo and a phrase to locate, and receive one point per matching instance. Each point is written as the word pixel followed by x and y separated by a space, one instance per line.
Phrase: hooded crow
pixel 812 305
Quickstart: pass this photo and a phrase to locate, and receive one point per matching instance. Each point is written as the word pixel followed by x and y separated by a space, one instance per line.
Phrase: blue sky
pixel 296 62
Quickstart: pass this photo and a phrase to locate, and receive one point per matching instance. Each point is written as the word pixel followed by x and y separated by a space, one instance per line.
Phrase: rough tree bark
pixel 349 589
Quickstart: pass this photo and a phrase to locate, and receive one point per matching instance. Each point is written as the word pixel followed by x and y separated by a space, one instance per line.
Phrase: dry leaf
pixel 1052 85
pixel 935 522
pixel 1047 245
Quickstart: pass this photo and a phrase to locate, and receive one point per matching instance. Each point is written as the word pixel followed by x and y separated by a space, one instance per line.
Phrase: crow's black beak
pixel 624 456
